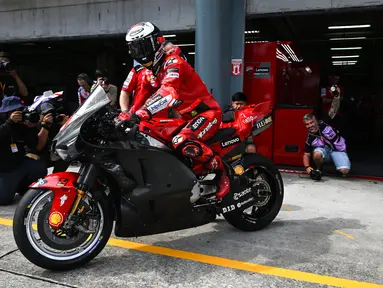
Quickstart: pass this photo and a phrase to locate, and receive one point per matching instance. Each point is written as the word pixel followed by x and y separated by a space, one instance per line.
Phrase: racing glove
pixel 126 119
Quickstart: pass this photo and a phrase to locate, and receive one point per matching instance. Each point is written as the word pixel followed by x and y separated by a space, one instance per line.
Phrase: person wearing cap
pixel 84 90
pixel 46 131
pixel 18 169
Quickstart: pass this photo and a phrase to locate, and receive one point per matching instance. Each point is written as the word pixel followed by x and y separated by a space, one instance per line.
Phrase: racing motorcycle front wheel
pixel 67 248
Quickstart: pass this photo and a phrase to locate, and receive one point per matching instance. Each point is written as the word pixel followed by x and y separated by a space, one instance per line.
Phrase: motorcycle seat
pixel 221 135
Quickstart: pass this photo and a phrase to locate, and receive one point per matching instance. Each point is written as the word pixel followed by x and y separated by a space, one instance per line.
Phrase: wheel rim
pixel 256 212
pixel 41 247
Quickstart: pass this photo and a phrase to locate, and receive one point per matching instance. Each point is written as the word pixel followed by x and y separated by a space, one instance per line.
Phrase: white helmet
pixel 145 43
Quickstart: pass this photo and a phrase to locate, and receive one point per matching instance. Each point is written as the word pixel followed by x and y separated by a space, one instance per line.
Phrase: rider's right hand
pixel 124 116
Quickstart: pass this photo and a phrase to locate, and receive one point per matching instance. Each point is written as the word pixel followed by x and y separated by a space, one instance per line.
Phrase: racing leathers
pixel 183 90
pixel 148 78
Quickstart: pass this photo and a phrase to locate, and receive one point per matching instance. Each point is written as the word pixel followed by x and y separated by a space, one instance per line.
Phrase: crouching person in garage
pixel 323 144
pixel 16 165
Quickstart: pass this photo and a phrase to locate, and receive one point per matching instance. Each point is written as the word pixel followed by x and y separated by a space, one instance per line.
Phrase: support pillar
pixel 220 26
pixel 238 23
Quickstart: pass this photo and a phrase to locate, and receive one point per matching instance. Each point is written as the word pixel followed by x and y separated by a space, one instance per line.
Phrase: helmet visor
pixel 142 49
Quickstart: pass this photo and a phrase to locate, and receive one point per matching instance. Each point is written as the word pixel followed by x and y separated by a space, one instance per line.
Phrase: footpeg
pixel 209 179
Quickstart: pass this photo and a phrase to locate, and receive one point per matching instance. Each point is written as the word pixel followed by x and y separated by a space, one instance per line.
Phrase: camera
pixel 53 108
pixel 31 116
pixel 334 91
pixel 316 175
pixel 6 67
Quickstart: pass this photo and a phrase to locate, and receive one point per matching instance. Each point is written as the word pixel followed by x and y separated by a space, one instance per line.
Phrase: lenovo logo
pixel 228 143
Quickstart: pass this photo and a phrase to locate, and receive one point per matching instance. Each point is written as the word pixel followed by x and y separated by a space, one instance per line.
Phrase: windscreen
pixel 64 142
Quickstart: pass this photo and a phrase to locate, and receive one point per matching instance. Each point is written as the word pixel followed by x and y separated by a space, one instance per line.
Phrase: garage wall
pixel 278 6
pixel 39 19
pixel 36 19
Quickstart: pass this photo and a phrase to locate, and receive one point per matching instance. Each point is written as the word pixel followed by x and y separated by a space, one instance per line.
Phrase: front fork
pixel 86 180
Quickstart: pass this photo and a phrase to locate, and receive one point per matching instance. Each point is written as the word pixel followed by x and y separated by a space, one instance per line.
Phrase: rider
pixel 147 79
pixel 183 90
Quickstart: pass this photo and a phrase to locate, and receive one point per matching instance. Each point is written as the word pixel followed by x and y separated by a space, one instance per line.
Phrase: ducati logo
pixel 177 139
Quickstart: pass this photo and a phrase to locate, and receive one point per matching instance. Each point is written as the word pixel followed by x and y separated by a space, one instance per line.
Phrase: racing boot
pixel 203 154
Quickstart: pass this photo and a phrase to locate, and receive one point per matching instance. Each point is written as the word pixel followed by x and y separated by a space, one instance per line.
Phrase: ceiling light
pixel 124 64
pixel 350 26
pixel 346 61
pixel 169 36
pixel 346 48
pixel 343 64
pixel 345 56
pixel 191 53
pixel 184 45
pixel 251 32
pixel 353 62
pixel 350 38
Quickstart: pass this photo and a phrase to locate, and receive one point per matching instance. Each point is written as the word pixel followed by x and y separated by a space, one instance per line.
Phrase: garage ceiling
pixel 318 43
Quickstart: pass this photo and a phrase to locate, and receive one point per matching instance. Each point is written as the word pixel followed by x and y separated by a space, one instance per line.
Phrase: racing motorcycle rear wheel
pixel 62 249
pixel 264 176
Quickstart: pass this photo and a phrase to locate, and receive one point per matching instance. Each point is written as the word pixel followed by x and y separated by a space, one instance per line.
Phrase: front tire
pixel 55 251
pixel 270 176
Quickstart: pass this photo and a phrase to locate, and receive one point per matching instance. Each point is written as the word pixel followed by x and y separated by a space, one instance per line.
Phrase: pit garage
pixel 328 233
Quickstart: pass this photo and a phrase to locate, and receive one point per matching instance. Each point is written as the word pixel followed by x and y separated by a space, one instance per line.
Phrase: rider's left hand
pixel 143 114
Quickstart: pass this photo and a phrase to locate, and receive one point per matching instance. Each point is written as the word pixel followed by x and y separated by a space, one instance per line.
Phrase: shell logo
pixel 56 218
pixel 239 170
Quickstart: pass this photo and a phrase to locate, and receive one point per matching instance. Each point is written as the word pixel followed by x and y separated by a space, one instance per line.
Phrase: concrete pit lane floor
pixel 328 234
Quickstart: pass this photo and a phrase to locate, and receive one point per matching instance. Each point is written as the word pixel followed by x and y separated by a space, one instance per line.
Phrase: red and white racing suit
pixel 133 83
pixel 183 90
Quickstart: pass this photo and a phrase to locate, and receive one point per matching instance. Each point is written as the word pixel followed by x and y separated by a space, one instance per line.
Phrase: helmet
pixel 145 43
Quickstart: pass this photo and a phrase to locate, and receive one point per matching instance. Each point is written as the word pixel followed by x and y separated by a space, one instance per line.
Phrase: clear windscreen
pixel 64 142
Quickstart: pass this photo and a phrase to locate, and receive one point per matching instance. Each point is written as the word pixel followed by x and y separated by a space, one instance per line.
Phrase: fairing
pixel 63 187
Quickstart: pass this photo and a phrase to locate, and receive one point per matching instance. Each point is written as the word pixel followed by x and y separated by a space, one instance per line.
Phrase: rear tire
pixel 238 219
pixel 49 261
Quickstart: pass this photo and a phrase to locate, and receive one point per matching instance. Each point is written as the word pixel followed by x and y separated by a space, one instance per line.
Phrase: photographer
pixel 51 120
pixel 324 143
pixel 18 168
pixel 111 91
pixel 10 82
